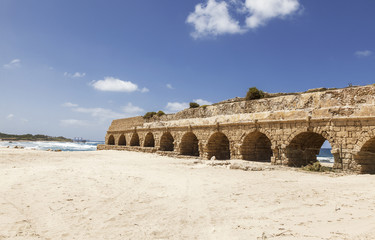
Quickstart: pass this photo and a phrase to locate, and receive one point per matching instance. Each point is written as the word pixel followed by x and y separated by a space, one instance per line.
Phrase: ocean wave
pixel 326 159
pixel 64 146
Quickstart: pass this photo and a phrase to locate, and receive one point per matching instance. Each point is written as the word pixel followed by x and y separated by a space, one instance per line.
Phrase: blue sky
pixel 70 67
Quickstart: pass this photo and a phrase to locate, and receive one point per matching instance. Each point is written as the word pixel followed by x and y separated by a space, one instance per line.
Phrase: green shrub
pixel 149 115
pixel 254 93
pixel 204 106
pixel 316 167
pixel 194 105
pixel 160 113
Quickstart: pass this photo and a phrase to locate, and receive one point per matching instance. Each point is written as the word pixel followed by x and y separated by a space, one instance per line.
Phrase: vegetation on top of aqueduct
pixel 194 105
pixel 254 93
pixel 149 115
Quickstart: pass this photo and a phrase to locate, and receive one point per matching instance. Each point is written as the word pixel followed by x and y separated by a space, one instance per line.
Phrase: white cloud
pixel 10 116
pixel 130 109
pixel 144 90
pixel 69 104
pixel 100 113
pixel 262 11
pixel 176 106
pixel 365 53
pixel 169 86
pixel 74 75
pixel 213 18
pixel 74 122
pixel 111 84
pixel 173 107
pixel 15 63
pixel 202 102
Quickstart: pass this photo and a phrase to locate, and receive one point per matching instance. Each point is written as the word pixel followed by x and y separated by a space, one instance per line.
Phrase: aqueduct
pixel 288 129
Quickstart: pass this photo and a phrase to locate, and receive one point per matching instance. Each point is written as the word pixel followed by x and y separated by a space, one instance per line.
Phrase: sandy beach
pixel 128 195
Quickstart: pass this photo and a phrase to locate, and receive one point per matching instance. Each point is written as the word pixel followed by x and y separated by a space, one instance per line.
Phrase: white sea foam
pixel 64 146
pixel 326 159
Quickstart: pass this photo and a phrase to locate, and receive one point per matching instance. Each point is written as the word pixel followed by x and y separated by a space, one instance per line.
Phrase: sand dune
pixel 128 195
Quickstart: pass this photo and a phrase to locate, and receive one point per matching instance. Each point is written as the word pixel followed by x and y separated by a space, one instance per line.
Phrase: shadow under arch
pixel 189 145
pixel 149 140
pixel 365 158
pixel 134 141
pixel 111 140
pixel 122 140
pixel 167 142
pixel 256 146
pixel 304 148
pixel 218 146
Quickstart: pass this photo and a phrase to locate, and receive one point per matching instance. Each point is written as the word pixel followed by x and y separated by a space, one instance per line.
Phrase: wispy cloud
pixel 10 116
pixel 69 104
pixel 202 102
pixel 110 84
pixel 169 86
pixel 74 122
pixel 365 53
pixel 15 63
pixel 130 109
pixel 213 17
pixel 74 75
pixel 173 107
pixel 100 115
pixel 144 90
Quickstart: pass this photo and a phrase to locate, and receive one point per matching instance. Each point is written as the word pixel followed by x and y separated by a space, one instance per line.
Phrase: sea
pixel 45 145
pixel 325 156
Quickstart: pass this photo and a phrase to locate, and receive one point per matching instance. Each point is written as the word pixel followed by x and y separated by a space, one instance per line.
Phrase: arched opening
pixel 111 140
pixel 134 141
pixel 122 140
pixel 189 145
pixel 256 147
pixel 166 142
pixel 149 140
pixel 218 146
pixel 304 148
pixel 366 157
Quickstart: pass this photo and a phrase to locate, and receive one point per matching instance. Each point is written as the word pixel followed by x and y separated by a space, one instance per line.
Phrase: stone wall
pixel 287 130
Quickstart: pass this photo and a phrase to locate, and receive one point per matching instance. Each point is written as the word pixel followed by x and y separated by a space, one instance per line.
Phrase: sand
pixel 128 195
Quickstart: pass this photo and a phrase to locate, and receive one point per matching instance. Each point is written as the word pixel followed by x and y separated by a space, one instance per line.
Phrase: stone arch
pixel 256 146
pixel 111 140
pixel 122 140
pixel 218 146
pixel 304 147
pixel 149 140
pixel 167 142
pixel 363 138
pixel 134 141
pixel 189 145
pixel 365 157
pixel 324 134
